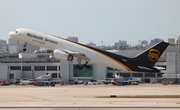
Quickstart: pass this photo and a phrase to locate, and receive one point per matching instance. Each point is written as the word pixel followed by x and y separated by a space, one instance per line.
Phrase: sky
pixel 94 20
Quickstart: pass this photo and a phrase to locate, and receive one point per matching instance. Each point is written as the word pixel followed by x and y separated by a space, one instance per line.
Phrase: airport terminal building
pixel 22 65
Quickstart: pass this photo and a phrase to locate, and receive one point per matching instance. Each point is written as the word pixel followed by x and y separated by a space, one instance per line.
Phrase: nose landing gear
pixel 24 47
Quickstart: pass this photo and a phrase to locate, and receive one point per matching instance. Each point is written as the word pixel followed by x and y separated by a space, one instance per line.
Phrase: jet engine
pixel 62 55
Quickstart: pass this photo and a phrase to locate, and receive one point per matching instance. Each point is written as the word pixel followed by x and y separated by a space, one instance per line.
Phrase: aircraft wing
pixel 78 55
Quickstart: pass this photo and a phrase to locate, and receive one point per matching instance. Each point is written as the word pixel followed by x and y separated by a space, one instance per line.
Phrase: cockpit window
pixel 15 31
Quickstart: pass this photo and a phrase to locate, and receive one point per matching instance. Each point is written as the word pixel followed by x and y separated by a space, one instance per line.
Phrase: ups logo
pixel 153 54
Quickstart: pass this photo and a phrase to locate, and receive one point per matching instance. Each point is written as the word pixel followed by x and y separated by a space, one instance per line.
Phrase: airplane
pixel 120 80
pixel 117 79
pixel 64 49
pixel 43 79
pixel 40 79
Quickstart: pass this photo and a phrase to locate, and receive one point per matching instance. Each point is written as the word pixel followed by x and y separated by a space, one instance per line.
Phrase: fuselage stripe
pixel 96 50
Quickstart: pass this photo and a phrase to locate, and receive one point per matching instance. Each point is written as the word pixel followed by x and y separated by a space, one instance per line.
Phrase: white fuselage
pixel 53 42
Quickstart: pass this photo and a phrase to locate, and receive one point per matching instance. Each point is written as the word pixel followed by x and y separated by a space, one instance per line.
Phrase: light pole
pixel 21 60
pixel 178 47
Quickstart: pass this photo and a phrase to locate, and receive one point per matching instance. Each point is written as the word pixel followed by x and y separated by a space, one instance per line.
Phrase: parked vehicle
pixel 49 83
pixel 134 83
pixel 139 80
pixel 52 84
pixel 91 83
pixel 25 81
pixel 106 82
pixel 5 82
pixel 76 81
pixel 14 81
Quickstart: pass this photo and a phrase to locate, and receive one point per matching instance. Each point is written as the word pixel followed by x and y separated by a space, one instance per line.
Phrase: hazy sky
pixel 94 20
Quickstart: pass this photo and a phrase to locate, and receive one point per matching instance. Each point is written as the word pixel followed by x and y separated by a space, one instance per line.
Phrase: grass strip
pixel 140 96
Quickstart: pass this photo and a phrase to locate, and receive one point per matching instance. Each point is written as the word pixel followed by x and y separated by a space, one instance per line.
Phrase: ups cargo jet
pixel 67 50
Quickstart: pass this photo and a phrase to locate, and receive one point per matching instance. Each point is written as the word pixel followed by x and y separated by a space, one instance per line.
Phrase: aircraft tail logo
pixel 153 55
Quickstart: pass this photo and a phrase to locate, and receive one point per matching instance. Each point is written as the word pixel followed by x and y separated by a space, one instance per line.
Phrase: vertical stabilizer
pixel 151 56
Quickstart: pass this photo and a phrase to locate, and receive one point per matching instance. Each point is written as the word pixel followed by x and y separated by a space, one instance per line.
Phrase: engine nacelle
pixel 62 55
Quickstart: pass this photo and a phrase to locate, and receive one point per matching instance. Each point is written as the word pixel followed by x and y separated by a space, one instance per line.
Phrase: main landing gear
pixel 82 66
pixel 24 47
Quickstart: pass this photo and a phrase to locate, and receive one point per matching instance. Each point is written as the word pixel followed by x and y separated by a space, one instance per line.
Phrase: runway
pixel 82 97
pixel 90 108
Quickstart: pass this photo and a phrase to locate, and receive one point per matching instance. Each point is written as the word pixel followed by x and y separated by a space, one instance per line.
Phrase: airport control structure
pixel 17 64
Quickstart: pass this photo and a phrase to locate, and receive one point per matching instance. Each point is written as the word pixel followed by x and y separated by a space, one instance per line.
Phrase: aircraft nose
pixel 11 34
